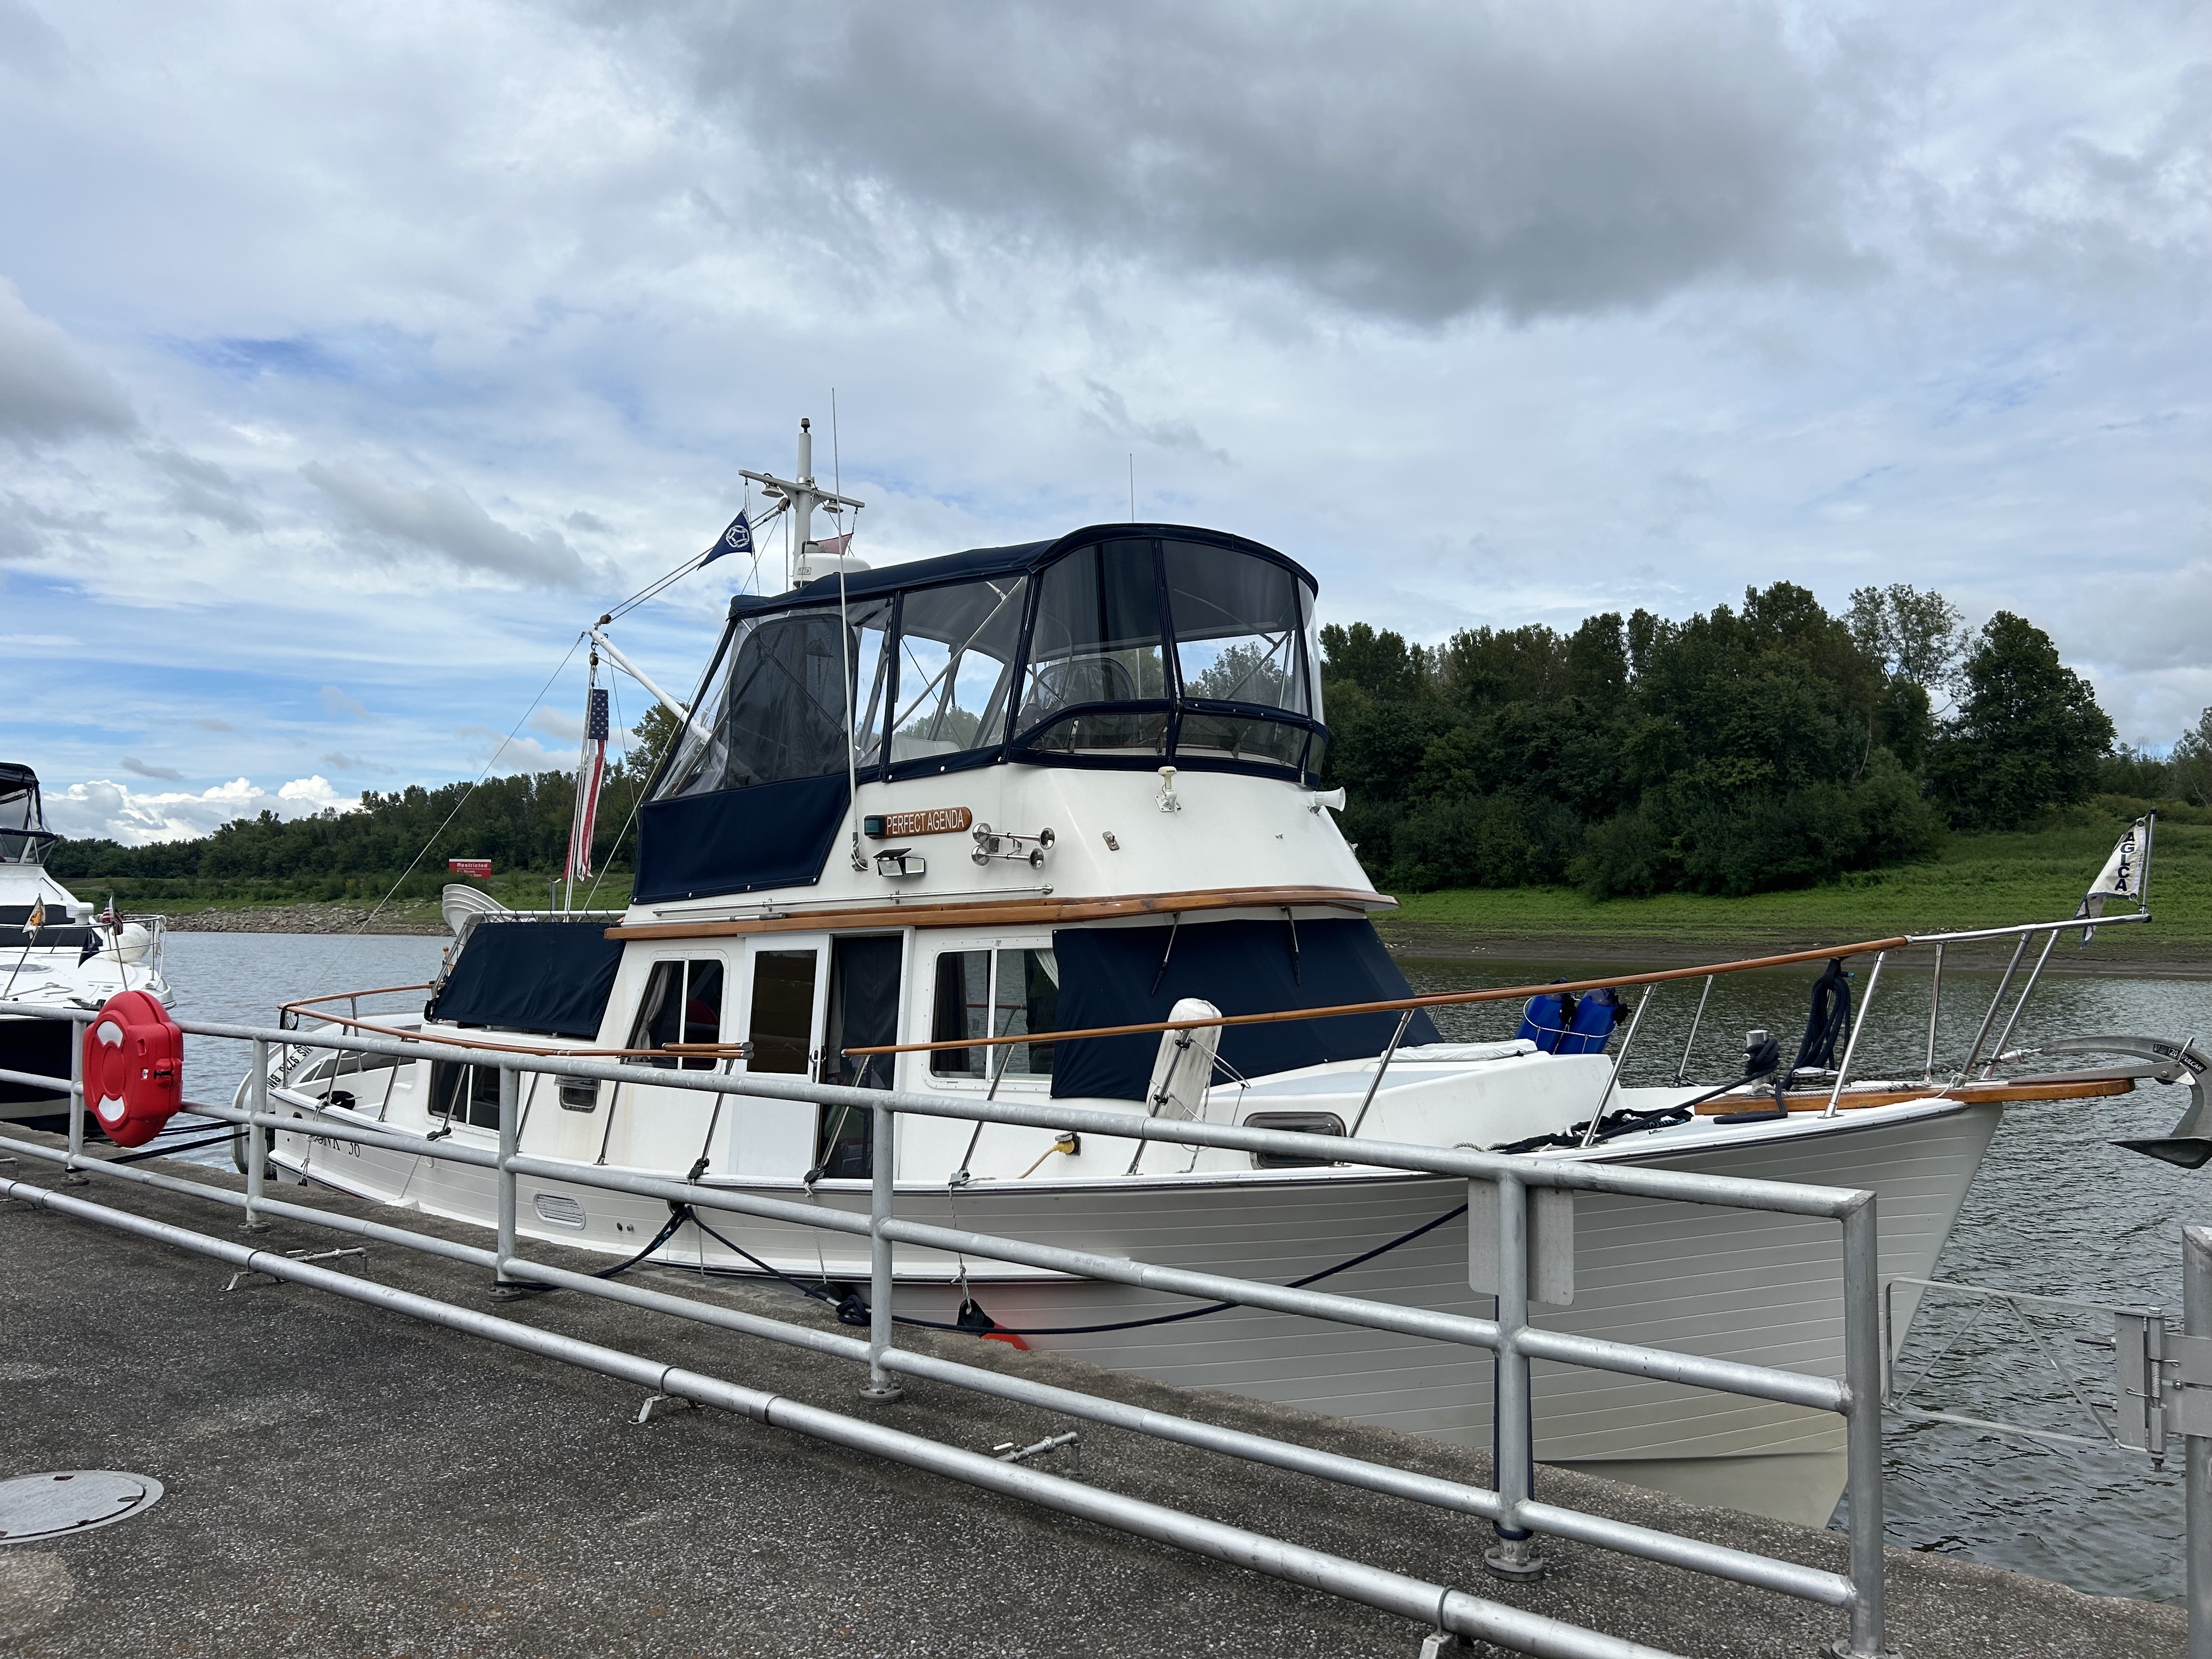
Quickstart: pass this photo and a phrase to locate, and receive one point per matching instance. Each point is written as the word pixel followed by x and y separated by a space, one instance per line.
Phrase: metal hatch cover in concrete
pixel 33 1507
pixel 342 1481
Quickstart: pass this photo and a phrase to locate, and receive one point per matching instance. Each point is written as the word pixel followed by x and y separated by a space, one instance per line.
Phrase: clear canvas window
pixel 1097 641
pixel 1239 628
pixel 683 1003
pixel 1010 992
pixel 956 647
pixel 773 705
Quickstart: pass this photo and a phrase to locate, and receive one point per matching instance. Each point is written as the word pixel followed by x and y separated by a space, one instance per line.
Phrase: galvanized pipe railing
pixel 1810 1584
pixel 1438 1606
pixel 1514 1509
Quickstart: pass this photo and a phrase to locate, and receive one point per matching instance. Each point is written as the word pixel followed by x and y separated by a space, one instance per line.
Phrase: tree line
pixel 1770 745
pixel 521 822
pixel 1773 745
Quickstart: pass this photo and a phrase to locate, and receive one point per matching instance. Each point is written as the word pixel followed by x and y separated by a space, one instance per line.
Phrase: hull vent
pixel 560 1209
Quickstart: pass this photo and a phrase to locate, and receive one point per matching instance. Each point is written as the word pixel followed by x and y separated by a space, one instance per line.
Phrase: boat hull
pixel 1749 1285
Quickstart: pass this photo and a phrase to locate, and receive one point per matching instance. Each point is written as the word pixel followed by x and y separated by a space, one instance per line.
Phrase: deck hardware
pixel 1858 1024
pixel 1112 845
pixel 1697 1019
pixel 1069 1142
pixel 895 861
pixel 1619 1060
pixel 659 1405
pixel 294 1255
pixel 1169 800
pixel 1012 1451
pixel 1012 846
pixel 1321 798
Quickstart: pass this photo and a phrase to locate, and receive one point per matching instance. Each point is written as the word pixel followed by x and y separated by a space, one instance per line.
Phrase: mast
pixel 802 495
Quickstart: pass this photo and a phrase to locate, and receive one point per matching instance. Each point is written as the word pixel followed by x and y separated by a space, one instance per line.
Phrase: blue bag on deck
pixel 1546 1020
pixel 1592 1024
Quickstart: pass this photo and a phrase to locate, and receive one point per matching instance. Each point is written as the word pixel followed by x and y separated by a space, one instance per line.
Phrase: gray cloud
pixel 28 44
pixel 139 768
pixel 1409 159
pixel 1109 413
pixel 344 762
pixel 336 703
pixel 444 520
pixel 210 723
pixel 46 391
pixel 204 490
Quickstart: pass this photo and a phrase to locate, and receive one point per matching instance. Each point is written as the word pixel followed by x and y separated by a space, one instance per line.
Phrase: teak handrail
pixel 1432 999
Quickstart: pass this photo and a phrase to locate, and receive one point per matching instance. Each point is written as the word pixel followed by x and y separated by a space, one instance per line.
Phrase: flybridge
pixel 1116 646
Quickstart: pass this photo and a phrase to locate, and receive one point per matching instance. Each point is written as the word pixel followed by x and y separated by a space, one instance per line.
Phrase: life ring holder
pixel 133 1067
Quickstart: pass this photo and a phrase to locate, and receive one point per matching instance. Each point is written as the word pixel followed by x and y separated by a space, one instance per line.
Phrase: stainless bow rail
pixel 1512 1190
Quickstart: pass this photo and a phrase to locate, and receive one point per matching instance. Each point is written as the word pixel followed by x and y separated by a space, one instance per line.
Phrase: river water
pixel 2057 1210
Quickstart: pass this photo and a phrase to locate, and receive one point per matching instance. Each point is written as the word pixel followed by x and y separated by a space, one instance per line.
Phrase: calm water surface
pixel 2057 1209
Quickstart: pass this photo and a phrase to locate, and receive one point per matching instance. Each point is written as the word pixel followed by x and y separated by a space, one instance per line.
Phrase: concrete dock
pixel 345 1481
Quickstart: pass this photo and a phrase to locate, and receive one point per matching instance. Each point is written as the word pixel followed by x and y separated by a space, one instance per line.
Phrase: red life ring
pixel 133 1065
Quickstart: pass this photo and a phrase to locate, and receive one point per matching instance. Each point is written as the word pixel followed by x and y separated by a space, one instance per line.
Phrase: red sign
pixel 469 867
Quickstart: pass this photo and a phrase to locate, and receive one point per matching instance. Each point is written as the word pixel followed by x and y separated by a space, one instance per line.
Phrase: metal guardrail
pixel 1510 1189
pixel 2161 1382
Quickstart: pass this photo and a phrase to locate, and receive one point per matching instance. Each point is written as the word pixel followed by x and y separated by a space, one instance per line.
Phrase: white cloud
pixel 106 809
pixel 47 389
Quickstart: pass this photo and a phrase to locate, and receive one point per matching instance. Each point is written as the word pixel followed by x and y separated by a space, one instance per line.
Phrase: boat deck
pixel 339 1479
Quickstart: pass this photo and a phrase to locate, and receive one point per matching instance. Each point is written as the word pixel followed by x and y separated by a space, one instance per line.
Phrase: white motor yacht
pixel 925 825
pixel 54 950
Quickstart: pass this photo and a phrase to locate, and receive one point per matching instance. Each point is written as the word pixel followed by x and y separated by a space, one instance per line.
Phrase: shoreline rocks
pixel 305 919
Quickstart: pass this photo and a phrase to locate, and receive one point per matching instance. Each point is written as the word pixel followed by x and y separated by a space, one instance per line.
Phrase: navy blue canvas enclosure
pixel 548 978
pixel 1115 976
pixel 1117 646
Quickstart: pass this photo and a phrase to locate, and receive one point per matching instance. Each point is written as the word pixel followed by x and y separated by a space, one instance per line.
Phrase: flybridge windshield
pixel 23 832
pixel 1110 648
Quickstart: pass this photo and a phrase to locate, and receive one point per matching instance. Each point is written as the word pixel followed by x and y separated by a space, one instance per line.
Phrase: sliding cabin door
pixel 783 1015
pixel 863 1010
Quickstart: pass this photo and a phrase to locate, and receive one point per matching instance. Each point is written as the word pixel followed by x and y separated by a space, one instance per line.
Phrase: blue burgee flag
pixel 737 538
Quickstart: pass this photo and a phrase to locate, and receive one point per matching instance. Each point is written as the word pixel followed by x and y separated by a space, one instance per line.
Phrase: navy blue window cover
pixel 738 841
pixel 1107 975
pixel 548 978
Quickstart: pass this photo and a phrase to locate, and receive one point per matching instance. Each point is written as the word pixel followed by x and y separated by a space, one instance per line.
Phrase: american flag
pixel 589 773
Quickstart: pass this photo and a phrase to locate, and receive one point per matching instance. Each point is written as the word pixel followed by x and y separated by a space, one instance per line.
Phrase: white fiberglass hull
pixel 1747 1285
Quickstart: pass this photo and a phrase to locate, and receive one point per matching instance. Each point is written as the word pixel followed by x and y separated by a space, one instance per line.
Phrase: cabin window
pixel 461 1093
pixel 683 1003
pixel 956 647
pixel 780 1034
pixel 773 705
pixel 1010 992
pixel 1097 641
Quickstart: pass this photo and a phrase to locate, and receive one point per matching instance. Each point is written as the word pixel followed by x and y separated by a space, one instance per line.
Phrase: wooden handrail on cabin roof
pixel 1432 999
pixel 1009 911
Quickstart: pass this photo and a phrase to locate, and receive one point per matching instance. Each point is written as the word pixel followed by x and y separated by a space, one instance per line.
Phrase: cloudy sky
pixel 353 357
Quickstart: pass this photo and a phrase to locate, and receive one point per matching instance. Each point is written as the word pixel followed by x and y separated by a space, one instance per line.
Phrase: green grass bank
pixel 1976 881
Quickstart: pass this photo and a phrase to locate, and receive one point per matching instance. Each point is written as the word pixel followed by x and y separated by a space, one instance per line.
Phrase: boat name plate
pixel 930 821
